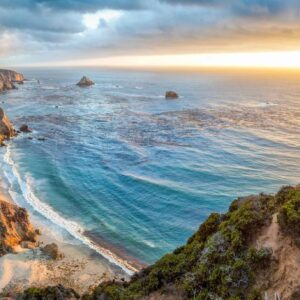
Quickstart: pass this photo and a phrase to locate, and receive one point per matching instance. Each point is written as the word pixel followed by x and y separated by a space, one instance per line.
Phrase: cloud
pixel 82 6
pixel 75 29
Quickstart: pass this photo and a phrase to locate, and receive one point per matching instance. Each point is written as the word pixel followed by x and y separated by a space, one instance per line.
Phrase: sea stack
pixel 85 81
pixel 6 129
pixel 171 95
pixel 8 78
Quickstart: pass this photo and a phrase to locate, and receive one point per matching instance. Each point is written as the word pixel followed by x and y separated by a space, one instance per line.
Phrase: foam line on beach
pixel 71 227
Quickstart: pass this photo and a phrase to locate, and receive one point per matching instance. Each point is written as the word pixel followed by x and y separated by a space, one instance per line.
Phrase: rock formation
pixel 6 129
pixel 52 251
pixel 85 81
pixel 15 228
pixel 24 128
pixel 8 78
pixel 171 95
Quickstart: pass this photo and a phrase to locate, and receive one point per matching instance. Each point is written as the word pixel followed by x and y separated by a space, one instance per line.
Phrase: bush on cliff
pixel 289 214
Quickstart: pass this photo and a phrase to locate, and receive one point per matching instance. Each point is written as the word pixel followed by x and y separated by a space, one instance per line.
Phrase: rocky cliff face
pixel 15 227
pixel 8 78
pixel 6 129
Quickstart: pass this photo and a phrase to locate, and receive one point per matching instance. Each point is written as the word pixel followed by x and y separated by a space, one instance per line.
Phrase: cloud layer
pixel 34 31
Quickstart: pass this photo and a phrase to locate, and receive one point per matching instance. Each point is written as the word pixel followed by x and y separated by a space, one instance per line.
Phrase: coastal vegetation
pixel 221 260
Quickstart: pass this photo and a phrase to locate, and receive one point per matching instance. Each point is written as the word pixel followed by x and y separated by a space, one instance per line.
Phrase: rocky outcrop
pixel 85 81
pixel 171 95
pixel 6 129
pixel 8 78
pixel 24 128
pixel 52 251
pixel 15 228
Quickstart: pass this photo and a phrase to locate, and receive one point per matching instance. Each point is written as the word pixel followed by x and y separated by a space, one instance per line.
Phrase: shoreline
pixel 81 268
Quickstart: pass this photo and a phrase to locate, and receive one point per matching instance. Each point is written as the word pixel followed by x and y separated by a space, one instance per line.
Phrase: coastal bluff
pixel 8 78
pixel 15 228
pixel 251 252
pixel 6 129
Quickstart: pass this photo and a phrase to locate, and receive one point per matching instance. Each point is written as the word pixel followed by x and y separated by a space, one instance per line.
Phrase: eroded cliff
pixel 8 78
pixel 15 228
pixel 6 129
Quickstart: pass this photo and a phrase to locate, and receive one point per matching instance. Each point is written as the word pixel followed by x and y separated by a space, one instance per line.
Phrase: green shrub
pixel 289 214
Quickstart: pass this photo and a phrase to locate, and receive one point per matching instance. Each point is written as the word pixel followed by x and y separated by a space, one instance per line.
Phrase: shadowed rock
pixel 171 95
pixel 52 251
pixel 8 78
pixel 24 128
pixel 85 81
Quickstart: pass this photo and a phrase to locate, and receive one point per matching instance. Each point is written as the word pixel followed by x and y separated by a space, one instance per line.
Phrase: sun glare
pixel 263 59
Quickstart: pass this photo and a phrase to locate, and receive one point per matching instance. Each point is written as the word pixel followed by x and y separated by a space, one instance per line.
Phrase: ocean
pixel 118 167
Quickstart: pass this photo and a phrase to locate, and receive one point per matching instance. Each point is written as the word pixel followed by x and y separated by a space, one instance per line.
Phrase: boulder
pixel 28 245
pixel 171 95
pixel 52 251
pixel 24 128
pixel 85 81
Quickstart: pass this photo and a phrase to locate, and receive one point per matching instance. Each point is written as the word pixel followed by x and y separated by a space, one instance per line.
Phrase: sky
pixel 150 33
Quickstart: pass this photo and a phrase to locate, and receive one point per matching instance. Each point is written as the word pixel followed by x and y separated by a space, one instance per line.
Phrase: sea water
pixel 117 166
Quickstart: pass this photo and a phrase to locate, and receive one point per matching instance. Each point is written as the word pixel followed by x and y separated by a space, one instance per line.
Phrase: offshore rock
pixel 171 95
pixel 85 81
pixel 24 128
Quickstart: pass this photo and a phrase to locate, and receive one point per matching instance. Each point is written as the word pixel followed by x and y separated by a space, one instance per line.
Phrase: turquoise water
pixel 123 165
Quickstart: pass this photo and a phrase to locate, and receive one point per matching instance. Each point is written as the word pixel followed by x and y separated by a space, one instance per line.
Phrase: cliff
pixel 8 78
pixel 15 228
pixel 248 253
pixel 6 129
pixel 251 252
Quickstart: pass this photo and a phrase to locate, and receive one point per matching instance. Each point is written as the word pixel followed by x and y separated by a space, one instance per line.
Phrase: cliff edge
pixel 8 78
pixel 15 228
pixel 251 252
pixel 6 129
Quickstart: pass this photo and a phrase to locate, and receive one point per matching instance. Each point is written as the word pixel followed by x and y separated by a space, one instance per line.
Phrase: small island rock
pixel 85 81
pixel 171 95
pixel 25 128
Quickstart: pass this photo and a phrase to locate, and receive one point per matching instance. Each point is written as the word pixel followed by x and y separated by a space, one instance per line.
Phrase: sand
pixel 80 269
pixel 285 274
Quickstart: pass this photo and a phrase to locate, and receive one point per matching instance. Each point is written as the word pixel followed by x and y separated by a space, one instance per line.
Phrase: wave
pixel 47 211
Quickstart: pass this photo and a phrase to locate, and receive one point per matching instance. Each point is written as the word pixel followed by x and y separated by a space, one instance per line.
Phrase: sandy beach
pixel 80 268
